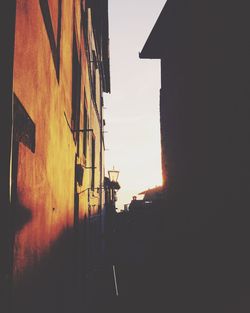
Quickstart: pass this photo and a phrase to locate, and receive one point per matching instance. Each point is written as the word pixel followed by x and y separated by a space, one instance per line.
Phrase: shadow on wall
pixel 65 279
pixel 49 287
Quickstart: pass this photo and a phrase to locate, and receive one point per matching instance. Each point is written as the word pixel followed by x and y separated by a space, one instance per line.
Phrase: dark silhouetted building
pixel 205 131
pixel 203 50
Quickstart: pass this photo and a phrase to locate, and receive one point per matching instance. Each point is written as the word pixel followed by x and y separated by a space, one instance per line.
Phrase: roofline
pixel 148 51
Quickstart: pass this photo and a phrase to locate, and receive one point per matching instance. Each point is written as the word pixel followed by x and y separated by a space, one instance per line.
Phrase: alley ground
pixel 183 271
pixel 153 263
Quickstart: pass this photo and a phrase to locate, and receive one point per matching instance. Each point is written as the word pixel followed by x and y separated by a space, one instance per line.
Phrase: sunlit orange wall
pixel 90 199
pixel 46 178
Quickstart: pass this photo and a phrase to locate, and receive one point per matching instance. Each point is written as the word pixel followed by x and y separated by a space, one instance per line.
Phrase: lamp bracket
pixel 90 189
pixel 85 130
pixel 89 167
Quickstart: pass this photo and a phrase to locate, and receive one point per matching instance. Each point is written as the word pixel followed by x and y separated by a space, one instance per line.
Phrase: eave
pixel 154 44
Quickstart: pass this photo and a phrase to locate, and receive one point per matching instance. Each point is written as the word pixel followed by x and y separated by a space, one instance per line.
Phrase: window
pixel 53 30
pixel 85 126
pixel 76 92
pixel 93 74
pixel 93 163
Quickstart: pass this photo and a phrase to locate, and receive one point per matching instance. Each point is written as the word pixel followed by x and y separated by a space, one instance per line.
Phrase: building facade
pixel 60 68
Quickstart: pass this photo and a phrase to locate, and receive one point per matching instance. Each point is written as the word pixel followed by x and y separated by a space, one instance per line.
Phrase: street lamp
pixel 113 175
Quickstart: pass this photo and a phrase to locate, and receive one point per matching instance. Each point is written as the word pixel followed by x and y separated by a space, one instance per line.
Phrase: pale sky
pixel 132 109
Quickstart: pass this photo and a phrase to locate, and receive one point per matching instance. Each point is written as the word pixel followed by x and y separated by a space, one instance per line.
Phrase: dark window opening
pixel 93 164
pixel 76 93
pixel 94 67
pixel 24 127
pixel 54 39
pixel 85 133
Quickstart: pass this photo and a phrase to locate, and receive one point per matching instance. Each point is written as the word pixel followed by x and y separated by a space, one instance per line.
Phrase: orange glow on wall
pixel 45 178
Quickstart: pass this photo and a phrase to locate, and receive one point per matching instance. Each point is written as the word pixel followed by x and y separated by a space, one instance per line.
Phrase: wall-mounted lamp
pixel 79 174
pixel 113 175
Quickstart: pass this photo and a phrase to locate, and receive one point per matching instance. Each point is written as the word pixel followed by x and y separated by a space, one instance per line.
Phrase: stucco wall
pixel 44 183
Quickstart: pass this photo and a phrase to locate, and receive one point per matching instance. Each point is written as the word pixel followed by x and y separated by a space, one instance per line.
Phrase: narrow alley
pixel 171 233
